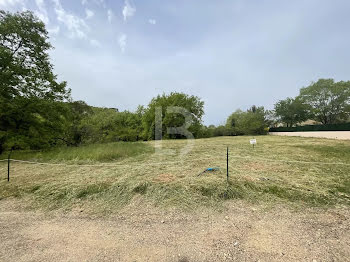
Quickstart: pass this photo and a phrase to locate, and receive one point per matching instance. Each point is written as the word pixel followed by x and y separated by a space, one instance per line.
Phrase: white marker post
pixel 253 142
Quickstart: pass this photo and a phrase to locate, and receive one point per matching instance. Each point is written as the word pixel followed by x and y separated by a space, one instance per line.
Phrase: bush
pixel 108 125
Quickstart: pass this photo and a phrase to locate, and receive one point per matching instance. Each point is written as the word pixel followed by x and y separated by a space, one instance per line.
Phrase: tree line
pixel 37 111
pixel 325 102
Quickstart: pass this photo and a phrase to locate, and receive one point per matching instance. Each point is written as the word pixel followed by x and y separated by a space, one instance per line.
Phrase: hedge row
pixel 332 127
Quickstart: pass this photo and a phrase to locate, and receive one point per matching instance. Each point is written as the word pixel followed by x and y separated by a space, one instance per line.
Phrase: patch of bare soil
pixel 142 232
pixel 164 178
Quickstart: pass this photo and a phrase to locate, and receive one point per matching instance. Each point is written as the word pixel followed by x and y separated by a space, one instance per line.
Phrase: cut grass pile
pixel 269 173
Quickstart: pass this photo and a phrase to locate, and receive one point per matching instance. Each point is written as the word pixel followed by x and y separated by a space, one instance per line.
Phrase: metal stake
pixel 227 164
pixel 8 166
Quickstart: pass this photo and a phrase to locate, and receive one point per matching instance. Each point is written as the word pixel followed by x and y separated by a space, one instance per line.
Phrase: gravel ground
pixel 140 232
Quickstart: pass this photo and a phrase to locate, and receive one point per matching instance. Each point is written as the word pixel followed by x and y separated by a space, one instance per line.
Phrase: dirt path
pixel 241 233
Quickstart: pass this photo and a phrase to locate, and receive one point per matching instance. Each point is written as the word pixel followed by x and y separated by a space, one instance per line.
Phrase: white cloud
pixel 95 43
pixel 96 2
pixel 89 13
pixel 75 25
pixel 122 42
pixel 40 3
pixel 101 2
pixel 152 21
pixel 9 3
pixel 42 13
pixel 54 30
pixel 110 15
pixel 128 10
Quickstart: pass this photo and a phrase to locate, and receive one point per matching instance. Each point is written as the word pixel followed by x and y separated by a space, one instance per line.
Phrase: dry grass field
pixel 301 171
pixel 287 199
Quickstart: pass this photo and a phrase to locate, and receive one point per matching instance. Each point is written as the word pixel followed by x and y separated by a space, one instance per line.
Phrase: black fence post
pixel 8 166
pixel 227 164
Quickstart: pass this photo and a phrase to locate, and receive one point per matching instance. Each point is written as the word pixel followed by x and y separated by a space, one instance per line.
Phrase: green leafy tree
pixel 108 125
pixel 329 100
pixel 223 130
pixel 292 111
pixel 251 122
pixel 30 110
pixel 206 131
pixel 77 111
pixel 192 105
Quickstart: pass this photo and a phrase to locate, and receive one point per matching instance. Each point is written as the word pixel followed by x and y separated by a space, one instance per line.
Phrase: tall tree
pixel 252 122
pixel 329 100
pixel 30 111
pixel 191 106
pixel 77 112
pixel 292 111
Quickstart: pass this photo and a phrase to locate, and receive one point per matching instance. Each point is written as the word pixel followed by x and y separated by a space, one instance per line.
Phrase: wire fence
pixel 179 161
pixel 292 161
pixel 106 165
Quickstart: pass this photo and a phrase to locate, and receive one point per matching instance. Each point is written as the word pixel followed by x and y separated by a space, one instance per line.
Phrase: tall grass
pixel 85 154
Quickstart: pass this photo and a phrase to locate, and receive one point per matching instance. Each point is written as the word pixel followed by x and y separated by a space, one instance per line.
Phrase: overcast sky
pixel 230 53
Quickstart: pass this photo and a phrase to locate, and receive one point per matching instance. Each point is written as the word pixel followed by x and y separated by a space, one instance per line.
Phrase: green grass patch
pixel 86 154
pixel 330 152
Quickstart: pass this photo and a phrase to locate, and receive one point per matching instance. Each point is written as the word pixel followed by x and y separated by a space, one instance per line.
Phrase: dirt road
pixel 140 232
